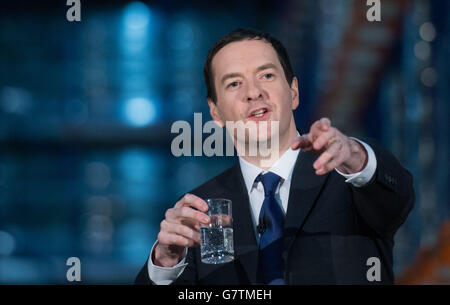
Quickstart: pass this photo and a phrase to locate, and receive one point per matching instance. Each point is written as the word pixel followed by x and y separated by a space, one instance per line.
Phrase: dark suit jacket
pixel 332 228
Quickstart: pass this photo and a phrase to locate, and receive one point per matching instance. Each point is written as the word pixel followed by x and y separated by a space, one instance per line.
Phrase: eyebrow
pixel 260 68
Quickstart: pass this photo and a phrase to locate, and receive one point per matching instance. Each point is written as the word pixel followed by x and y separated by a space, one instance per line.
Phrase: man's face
pixel 251 86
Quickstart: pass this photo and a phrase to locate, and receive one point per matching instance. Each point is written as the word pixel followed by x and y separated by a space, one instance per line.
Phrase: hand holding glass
pixel 217 237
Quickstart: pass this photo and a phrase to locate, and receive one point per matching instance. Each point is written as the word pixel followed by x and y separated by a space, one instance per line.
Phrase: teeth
pixel 259 113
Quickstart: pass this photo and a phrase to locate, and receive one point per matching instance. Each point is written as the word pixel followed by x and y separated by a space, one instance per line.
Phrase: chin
pixel 256 132
pixel 266 131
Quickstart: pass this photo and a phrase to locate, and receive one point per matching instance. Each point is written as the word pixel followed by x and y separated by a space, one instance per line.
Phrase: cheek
pixel 237 96
pixel 282 100
pixel 232 104
pixel 230 98
pixel 228 113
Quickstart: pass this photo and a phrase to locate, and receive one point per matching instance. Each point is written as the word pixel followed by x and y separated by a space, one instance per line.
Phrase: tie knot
pixel 270 182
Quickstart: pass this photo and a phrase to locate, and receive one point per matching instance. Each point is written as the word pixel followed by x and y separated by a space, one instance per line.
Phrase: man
pixel 321 213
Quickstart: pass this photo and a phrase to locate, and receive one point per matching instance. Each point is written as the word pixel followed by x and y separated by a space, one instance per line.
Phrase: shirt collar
pixel 283 167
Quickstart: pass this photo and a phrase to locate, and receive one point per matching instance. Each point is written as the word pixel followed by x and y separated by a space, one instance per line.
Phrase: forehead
pixel 244 55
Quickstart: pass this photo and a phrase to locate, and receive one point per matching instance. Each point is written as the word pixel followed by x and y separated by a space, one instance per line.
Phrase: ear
pixel 215 114
pixel 294 93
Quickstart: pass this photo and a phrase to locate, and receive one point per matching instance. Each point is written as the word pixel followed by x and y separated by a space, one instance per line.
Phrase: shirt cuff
pixel 165 275
pixel 361 178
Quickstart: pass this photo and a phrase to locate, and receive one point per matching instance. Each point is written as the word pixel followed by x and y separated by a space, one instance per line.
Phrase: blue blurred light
pixel 139 111
pixel 134 238
pixel 136 165
pixel 136 16
pixel 136 20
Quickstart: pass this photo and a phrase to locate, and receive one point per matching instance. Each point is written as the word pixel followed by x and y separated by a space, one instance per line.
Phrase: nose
pixel 254 92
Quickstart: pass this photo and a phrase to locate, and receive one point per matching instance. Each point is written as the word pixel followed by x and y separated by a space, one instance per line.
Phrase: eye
pixel 233 85
pixel 268 75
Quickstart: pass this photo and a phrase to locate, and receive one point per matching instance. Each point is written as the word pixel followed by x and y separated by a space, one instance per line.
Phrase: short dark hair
pixel 240 35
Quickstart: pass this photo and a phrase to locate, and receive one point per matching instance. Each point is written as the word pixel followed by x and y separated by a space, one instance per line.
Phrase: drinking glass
pixel 217 237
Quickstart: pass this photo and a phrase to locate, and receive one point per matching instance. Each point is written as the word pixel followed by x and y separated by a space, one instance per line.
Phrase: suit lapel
pixel 305 187
pixel 245 244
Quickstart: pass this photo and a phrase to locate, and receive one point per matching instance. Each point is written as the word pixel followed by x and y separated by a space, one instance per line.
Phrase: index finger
pixel 193 201
pixel 320 126
pixel 325 123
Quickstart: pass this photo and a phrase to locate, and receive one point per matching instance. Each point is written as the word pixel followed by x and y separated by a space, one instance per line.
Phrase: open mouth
pixel 259 113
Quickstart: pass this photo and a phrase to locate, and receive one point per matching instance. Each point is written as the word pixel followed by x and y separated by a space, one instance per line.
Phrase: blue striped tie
pixel 271 241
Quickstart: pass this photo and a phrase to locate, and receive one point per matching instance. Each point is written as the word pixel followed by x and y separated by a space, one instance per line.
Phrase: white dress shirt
pixel 283 167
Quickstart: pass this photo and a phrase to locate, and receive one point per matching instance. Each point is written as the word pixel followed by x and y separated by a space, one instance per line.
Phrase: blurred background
pixel 86 109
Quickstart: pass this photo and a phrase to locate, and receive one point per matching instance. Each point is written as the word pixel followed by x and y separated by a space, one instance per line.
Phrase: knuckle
pixel 186 211
pixel 165 226
pixel 168 213
pixel 183 210
pixel 161 237
pixel 187 197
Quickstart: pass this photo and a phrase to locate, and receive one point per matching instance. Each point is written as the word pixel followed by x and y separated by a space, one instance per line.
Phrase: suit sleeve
pixel 143 277
pixel 385 202
pixel 189 275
